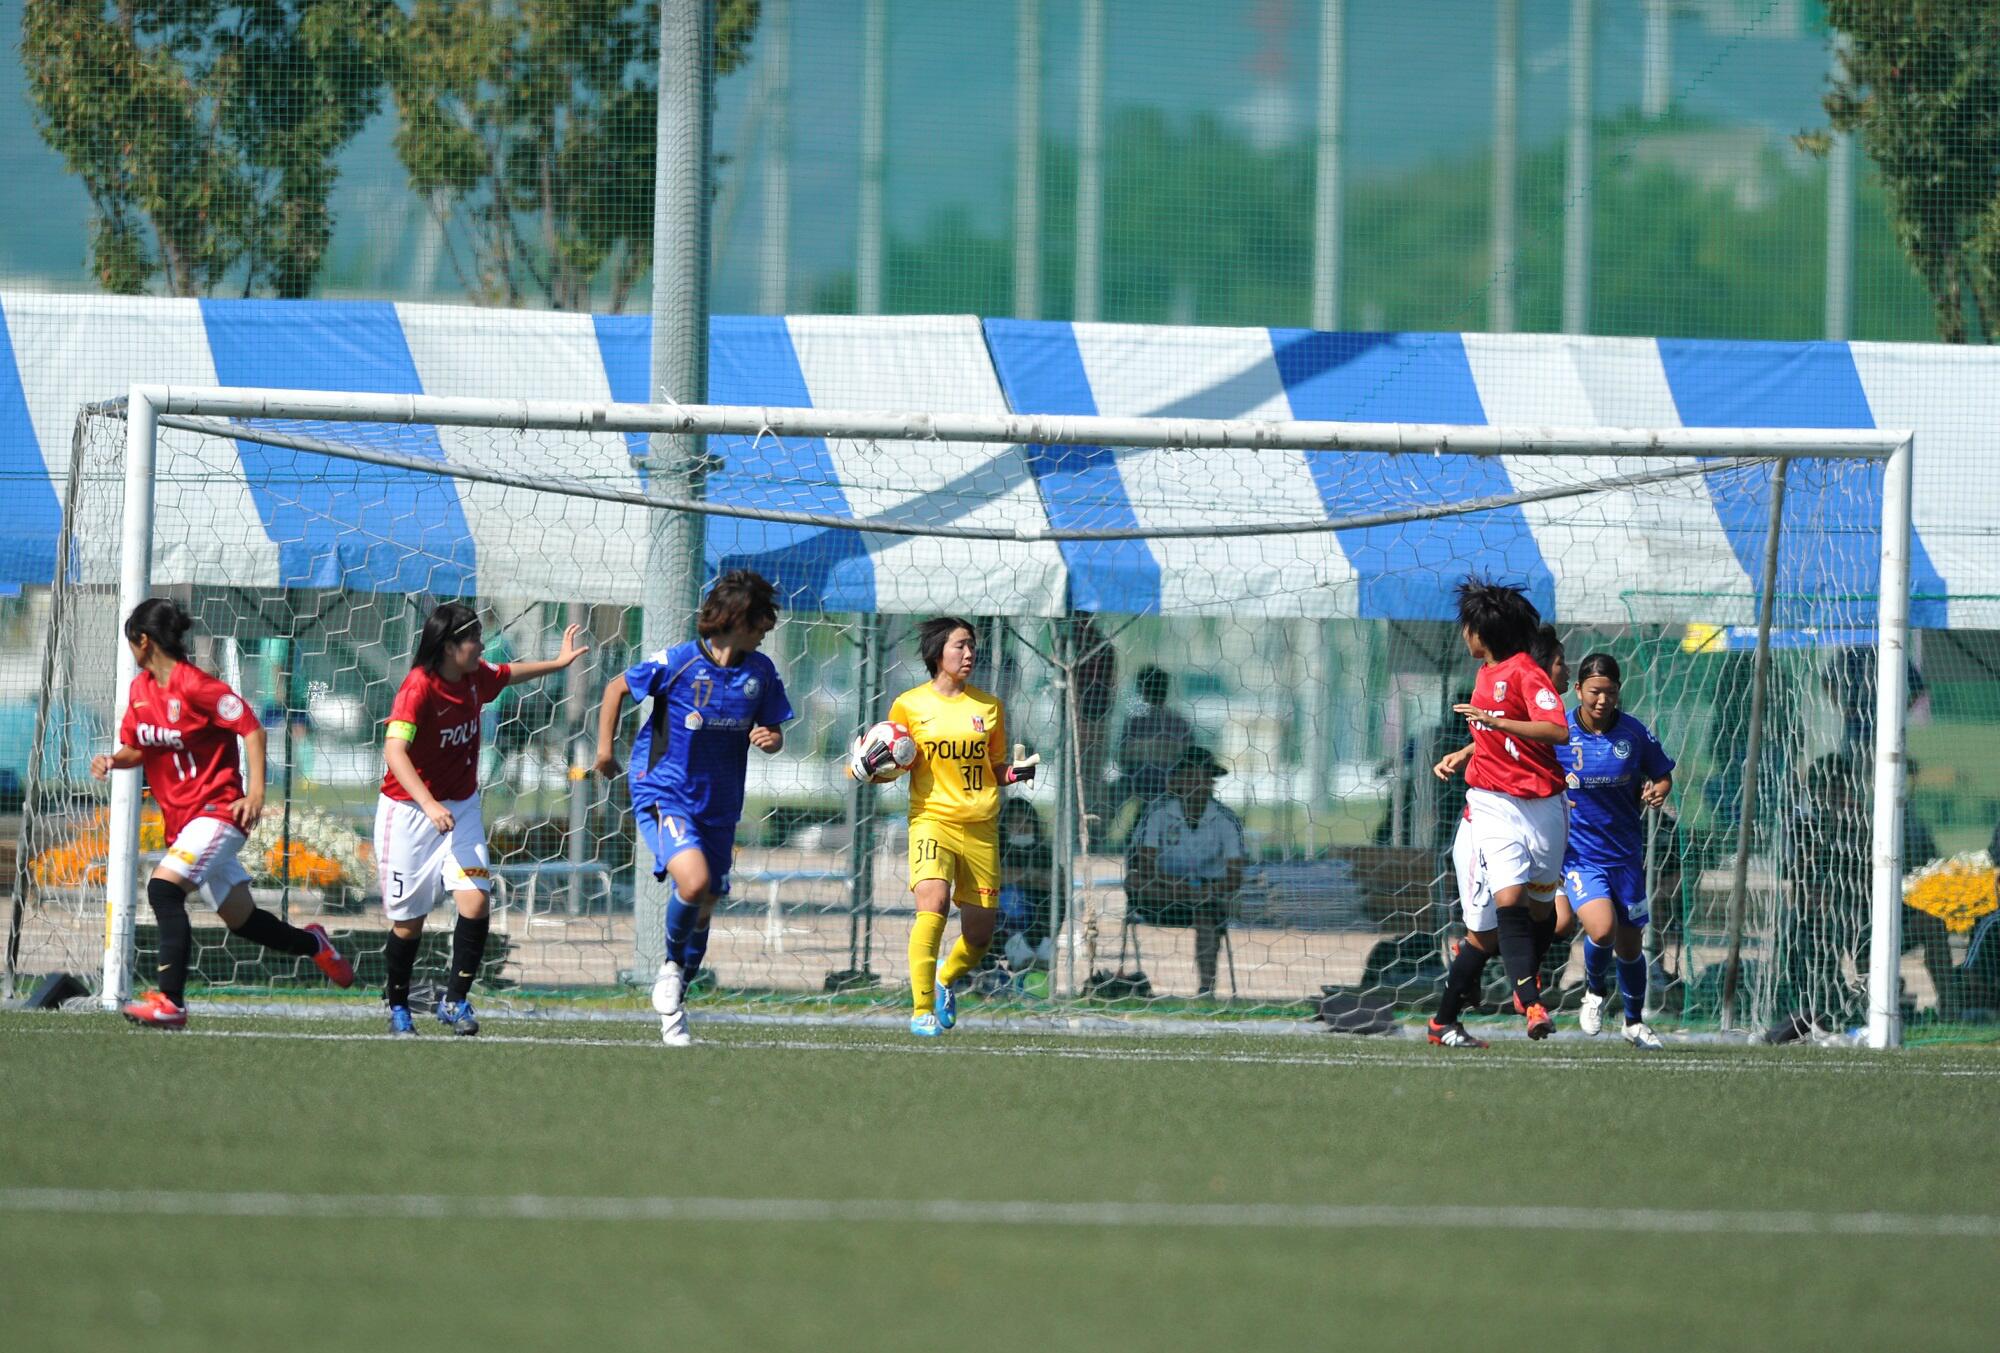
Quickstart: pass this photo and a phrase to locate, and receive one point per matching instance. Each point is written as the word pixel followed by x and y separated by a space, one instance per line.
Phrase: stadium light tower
pixel 1326 187
pixel 1577 190
pixel 1028 160
pixel 680 362
pixel 874 114
pixel 1089 161
pixel 774 266
pixel 1506 118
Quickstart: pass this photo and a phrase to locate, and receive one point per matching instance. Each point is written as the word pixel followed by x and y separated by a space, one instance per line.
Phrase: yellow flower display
pixel 79 861
pixel 1958 891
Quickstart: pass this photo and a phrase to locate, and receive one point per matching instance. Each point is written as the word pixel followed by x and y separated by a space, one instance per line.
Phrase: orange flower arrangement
pixel 1958 891
pixel 79 861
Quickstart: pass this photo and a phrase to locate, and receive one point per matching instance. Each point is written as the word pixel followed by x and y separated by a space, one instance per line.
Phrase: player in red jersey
pixel 429 839
pixel 1509 854
pixel 181 726
pixel 1547 652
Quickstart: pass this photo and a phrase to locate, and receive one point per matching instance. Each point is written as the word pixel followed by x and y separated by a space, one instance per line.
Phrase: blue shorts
pixel 667 833
pixel 1624 884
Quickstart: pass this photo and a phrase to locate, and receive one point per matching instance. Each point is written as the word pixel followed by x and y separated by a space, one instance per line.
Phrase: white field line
pixel 903 1212
pixel 1060 1048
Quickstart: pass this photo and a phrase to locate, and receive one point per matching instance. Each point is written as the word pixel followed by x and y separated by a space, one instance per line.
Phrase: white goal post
pixel 1664 454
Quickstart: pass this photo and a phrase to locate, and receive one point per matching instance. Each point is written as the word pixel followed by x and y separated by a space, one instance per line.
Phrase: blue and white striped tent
pixel 59 352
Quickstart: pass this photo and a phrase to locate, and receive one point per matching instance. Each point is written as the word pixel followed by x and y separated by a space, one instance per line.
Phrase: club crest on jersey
pixel 693 721
pixel 1546 699
pixel 173 709
pixel 751 686
pixel 1499 690
pixel 978 724
pixel 1621 749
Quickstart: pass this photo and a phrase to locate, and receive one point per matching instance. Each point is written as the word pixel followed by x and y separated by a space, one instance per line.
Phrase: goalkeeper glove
pixel 1022 768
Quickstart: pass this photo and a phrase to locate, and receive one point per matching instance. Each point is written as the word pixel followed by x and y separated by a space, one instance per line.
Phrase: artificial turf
pixel 1766 1140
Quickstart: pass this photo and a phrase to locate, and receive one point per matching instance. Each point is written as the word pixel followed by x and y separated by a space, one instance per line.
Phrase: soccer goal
pixel 1278 593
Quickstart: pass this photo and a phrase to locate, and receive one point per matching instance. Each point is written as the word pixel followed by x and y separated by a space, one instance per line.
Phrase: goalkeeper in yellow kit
pixel 962 761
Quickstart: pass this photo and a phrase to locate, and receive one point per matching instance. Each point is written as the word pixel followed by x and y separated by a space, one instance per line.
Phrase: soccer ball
pixel 883 752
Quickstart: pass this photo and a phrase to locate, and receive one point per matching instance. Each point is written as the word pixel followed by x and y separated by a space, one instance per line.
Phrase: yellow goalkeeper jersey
pixel 962 741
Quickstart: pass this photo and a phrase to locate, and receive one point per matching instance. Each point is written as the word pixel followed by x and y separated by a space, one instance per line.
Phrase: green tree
pixel 205 132
pixel 529 127
pixel 1920 85
pixel 1202 227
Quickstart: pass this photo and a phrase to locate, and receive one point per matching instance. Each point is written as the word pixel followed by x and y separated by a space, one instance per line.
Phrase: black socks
pixel 400 957
pixel 1461 980
pixel 265 929
pixel 1517 952
pixel 170 913
pixel 468 950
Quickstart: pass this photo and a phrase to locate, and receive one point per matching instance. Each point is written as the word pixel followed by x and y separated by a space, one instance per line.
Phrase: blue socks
pixel 697 948
pixel 682 917
pixel 1632 987
pixel 1596 966
pixel 687 938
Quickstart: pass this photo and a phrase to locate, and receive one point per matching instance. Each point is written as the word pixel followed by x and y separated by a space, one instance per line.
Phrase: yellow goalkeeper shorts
pixel 965 855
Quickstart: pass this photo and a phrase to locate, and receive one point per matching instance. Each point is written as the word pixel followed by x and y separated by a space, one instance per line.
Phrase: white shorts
pixel 1475 899
pixel 1519 841
pixel 419 867
pixel 204 854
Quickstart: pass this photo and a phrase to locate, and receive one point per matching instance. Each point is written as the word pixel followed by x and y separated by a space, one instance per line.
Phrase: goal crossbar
pixel 1245 434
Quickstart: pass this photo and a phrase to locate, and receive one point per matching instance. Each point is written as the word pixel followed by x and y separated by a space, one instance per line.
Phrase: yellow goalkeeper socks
pixel 962 960
pixel 926 938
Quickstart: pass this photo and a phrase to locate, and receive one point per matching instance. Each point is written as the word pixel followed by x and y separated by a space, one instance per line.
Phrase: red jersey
pixel 1515 689
pixel 440 720
pixel 186 731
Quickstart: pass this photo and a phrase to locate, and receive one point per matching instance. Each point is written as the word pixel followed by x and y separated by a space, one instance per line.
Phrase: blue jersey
pixel 1605 771
pixel 690 755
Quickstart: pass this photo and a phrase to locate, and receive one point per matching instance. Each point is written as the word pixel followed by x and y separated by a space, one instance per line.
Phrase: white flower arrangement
pixel 326 852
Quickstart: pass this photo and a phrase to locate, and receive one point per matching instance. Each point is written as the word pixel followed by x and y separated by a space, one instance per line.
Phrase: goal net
pixel 1278 593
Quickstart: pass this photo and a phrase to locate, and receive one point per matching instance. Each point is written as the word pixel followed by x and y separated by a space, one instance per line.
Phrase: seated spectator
pixel 1155 738
pixel 1187 861
pixel 1027 921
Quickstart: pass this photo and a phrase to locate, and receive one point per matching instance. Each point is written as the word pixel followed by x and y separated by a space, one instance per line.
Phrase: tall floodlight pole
pixel 1576 194
pixel 773 279
pixel 874 95
pixel 680 368
pixel 1839 223
pixel 1089 162
pixel 1028 160
pixel 1655 93
pixel 1506 139
pixel 1326 176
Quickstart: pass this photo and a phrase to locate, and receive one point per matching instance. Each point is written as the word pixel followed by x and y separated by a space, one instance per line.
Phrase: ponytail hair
pixel 1599 665
pixel 451 620
pixel 162 621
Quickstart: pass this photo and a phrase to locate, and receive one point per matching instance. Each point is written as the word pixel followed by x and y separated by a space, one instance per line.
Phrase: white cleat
pixel 674 1030
pixel 667 989
pixel 1590 1016
pixel 1643 1038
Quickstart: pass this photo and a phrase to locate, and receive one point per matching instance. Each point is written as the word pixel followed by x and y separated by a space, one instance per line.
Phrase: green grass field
pixel 260 1183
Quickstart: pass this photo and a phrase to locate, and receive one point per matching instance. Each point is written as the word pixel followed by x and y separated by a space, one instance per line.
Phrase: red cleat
pixel 338 970
pixel 1539 1024
pixel 156 1010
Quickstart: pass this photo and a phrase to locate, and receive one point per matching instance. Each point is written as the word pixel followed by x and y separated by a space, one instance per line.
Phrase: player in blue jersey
pixel 714 698
pixel 1615 769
